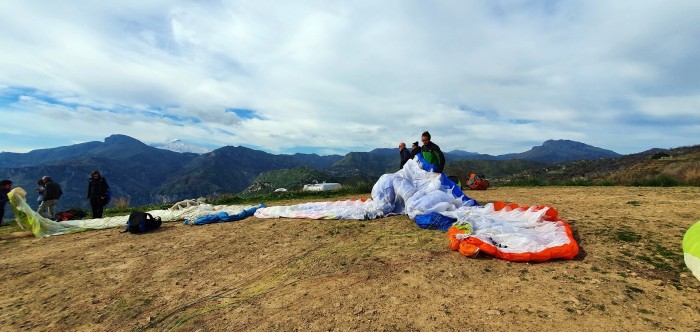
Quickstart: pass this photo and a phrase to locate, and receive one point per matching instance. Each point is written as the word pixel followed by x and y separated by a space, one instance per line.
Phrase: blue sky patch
pixel 473 111
pixel 244 113
pixel 521 121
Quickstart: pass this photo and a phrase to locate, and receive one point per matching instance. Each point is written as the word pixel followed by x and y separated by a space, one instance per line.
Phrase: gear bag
pixel 141 222
pixel 477 182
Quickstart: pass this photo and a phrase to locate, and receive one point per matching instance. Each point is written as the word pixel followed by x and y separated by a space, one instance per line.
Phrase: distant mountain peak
pixel 177 145
pixel 564 143
pixel 562 150
pixel 121 139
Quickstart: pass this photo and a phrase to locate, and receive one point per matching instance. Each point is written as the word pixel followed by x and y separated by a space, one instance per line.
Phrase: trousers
pixel 47 208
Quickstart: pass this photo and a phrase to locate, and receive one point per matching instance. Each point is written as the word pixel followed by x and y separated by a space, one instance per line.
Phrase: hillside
pixel 491 169
pixel 230 170
pixel 365 164
pixel 653 167
pixel 290 179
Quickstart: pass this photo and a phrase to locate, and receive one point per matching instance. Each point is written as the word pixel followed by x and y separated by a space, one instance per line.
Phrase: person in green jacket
pixel 431 153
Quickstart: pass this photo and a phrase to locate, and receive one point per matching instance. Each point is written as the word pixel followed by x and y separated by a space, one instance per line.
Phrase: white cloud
pixel 354 75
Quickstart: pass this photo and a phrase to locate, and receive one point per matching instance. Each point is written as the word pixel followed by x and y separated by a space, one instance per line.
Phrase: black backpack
pixel 140 222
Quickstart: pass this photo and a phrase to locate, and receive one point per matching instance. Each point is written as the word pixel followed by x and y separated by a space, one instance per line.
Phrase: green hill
pixel 656 167
pixel 494 170
pixel 290 179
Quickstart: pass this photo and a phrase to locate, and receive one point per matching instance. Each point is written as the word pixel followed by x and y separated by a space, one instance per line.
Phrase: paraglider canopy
pixel 691 249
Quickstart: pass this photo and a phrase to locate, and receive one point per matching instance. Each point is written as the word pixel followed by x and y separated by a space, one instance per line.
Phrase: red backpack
pixel 477 182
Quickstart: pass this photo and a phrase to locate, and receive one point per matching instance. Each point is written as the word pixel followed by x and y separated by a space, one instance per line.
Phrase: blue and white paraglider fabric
pixel 431 199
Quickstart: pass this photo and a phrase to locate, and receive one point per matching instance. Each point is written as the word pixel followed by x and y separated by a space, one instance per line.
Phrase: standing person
pixel 40 191
pixel 432 153
pixel 404 154
pixel 5 187
pixel 52 192
pixel 97 193
pixel 415 149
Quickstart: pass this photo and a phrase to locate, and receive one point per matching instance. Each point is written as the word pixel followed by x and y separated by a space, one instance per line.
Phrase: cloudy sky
pixel 336 76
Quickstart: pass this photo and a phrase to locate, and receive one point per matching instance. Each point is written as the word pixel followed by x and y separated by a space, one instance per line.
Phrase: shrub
pixel 524 183
pixel 656 182
pixel 122 202
pixel 660 155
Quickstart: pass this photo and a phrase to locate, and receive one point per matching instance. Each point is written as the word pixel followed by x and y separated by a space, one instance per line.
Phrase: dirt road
pixel 379 275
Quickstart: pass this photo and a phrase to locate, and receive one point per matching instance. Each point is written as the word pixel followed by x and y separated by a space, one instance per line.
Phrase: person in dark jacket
pixel 97 193
pixel 52 192
pixel 5 187
pixel 404 154
pixel 415 149
pixel 431 153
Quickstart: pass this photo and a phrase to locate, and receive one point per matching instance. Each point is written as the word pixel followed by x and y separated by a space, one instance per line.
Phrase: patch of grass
pixel 656 182
pixel 663 265
pixel 538 182
pixel 665 252
pixel 525 183
pixel 627 235
pixel 583 182
pixel 663 258
pixel 120 211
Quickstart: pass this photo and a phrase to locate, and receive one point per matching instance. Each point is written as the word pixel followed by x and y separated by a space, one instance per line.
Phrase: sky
pixel 330 77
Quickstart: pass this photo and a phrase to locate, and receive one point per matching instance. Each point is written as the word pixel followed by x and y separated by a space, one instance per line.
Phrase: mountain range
pixel 145 174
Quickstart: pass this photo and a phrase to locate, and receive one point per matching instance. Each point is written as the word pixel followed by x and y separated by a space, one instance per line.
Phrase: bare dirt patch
pixel 385 274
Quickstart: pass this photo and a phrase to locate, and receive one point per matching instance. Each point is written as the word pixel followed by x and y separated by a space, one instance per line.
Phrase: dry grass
pixel 122 202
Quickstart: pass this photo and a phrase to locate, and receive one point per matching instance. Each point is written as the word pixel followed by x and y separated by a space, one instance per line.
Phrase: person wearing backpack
pixel 431 153
pixel 97 193
pixel 52 192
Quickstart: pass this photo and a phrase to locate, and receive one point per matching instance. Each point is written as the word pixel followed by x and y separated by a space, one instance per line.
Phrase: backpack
pixel 140 222
pixel 70 215
pixel 477 182
pixel 107 198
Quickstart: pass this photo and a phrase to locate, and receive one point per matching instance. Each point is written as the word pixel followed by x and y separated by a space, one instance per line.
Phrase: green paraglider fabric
pixel 31 220
pixel 691 249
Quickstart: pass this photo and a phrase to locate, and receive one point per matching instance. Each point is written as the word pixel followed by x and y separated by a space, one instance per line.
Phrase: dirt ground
pixel 378 275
